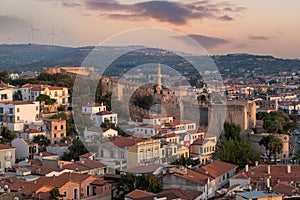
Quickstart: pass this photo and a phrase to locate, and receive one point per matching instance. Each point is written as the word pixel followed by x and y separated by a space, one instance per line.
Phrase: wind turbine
pixel 32 33
pixel 52 35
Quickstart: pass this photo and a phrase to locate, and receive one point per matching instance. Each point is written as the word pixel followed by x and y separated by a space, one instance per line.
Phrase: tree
pixel 42 141
pixel 130 182
pixel 278 122
pixel 185 161
pixel 232 131
pixel 17 96
pixel 8 134
pixel 4 76
pixel 273 146
pixel 54 194
pixel 46 99
pixel 76 149
pixel 237 152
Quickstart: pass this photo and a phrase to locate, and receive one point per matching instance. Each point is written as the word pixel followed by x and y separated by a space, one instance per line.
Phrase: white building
pixel 24 148
pixel 158 119
pixel 93 108
pixel 7 156
pixel 30 134
pixel 15 114
pixel 6 92
pixel 31 91
pixel 58 149
pixel 105 116
pixel 96 131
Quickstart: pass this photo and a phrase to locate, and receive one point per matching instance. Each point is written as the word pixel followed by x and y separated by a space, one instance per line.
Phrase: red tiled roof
pixel 84 165
pixel 33 131
pixel 137 194
pixel 218 168
pixel 45 154
pixel 4 147
pixel 277 172
pixel 143 169
pixel 87 155
pixel 179 194
pixel 126 141
pixel 194 176
pixel 285 188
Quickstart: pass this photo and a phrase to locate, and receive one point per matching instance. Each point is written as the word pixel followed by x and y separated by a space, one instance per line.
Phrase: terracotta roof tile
pixel 218 168
pixel 285 188
pixel 171 194
pixel 4 147
pixel 139 194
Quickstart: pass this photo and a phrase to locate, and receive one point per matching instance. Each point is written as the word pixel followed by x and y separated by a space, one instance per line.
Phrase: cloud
pixel 205 41
pixel 11 23
pixel 172 12
pixel 259 37
pixel 226 18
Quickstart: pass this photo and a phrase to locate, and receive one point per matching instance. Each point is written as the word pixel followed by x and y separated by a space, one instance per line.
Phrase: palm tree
pixel 272 144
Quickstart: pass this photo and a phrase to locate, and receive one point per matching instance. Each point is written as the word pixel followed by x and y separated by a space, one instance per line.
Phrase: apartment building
pixel 55 129
pixel 7 156
pixel 31 91
pixel 15 114
pixel 144 153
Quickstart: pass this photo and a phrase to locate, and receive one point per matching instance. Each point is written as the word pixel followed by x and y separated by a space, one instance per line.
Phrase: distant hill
pixel 21 57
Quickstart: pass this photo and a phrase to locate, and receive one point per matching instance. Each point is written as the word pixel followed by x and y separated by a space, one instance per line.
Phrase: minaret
pixel 159 86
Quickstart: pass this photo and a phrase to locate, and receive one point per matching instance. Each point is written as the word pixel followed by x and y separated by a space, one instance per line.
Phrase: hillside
pixel 21 57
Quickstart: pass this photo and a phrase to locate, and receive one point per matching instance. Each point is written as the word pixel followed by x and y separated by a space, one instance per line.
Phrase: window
pixel 65 193
pixel 36 108
pixel 18 118
pixel 1 118
pixel 75 193
pixel 62 127
pixel 1 110
pixel 55 127
pixel 11 110
pixel 88 190
pixel 55 135
pixel 94 191
pixel 18 109
pixel 62 135
pixel 11 119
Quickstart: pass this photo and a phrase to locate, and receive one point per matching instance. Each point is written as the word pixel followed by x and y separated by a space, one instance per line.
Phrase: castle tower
pixel 159 86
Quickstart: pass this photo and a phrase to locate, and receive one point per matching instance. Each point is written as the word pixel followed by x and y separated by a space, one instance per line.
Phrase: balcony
pixel 149 160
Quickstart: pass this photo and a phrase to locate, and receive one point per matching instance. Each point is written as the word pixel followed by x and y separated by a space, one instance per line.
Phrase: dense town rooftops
pixel 277 172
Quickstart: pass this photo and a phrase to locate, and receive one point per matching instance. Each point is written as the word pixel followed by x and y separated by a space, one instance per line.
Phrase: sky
pixel 268 27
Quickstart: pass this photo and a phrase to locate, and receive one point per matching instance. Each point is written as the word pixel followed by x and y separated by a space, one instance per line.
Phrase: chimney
pixel 246 168
pixel 269 169
pixel 289 169
pixel 256 163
